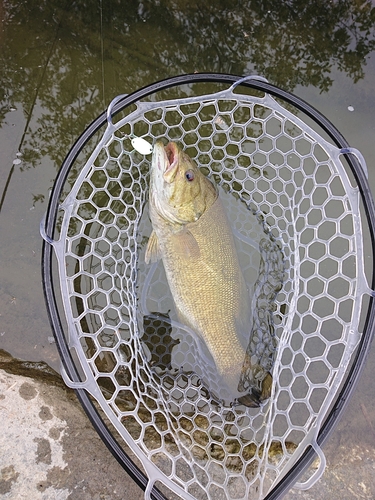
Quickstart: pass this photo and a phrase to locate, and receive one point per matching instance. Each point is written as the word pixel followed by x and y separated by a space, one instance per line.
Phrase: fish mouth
pixel 171 161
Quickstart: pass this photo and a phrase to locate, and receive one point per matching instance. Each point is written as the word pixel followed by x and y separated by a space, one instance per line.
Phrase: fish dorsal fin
pixel 186 245
pixel 152 251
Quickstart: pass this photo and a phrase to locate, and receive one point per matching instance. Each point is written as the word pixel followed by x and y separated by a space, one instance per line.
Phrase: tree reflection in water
pixel 70 60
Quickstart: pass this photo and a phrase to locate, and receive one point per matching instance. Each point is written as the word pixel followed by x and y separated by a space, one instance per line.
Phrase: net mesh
pixel 296 219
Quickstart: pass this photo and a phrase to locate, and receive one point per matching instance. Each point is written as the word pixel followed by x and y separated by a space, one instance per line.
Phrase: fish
pixel 192 236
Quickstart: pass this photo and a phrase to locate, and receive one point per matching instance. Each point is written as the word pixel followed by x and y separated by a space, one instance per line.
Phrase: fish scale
pixel 215 276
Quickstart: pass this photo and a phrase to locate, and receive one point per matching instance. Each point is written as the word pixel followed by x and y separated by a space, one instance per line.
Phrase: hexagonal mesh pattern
pixel 296 218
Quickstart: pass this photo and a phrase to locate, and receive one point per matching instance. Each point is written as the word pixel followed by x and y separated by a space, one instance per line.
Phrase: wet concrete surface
pixel 51 451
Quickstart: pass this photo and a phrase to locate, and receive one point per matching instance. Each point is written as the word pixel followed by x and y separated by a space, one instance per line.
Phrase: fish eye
pixel 189 175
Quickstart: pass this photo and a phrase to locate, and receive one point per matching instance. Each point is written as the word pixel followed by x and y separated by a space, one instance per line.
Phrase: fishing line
pixel 102 48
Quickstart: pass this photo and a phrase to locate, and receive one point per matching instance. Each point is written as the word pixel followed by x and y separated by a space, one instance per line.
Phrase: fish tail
pixel 256 397
pixel 256 382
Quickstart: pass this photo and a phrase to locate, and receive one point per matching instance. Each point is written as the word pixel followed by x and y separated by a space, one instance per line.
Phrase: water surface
pixel 62 63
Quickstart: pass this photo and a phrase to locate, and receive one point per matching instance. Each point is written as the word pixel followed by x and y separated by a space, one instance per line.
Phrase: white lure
pixel 141 145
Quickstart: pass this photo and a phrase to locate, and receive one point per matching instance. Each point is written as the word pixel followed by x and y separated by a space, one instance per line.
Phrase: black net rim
pixel 48 283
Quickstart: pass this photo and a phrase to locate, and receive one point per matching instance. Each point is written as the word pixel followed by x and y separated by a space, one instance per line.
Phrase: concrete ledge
pixel 49 449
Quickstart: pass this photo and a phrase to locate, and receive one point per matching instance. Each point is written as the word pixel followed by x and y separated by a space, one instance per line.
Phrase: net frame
pixel 353 159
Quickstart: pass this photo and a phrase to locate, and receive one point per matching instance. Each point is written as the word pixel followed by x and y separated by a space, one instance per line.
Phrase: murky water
pixel 61 64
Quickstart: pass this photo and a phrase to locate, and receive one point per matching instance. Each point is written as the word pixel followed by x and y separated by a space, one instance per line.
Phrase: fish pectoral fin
pixel 186 245
pixel 152 251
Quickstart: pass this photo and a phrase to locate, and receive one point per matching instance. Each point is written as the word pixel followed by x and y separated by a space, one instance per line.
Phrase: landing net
pixel 299 204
